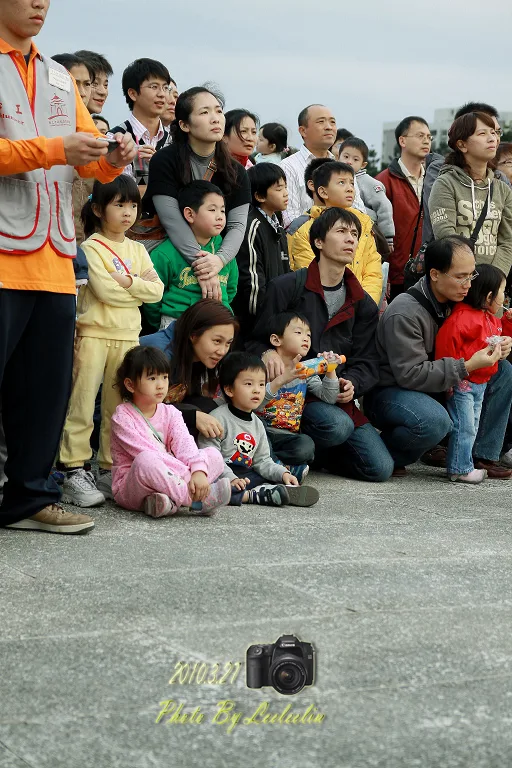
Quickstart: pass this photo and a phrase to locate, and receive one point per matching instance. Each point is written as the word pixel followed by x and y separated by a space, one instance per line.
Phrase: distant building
pixel 439 127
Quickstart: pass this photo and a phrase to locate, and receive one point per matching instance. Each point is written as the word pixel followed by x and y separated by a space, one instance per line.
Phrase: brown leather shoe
pixel 495 470
pixel 55 519
pixel 436 457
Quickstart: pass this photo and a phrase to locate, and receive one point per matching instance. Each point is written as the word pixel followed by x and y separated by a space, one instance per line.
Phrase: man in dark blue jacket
pixel 343 318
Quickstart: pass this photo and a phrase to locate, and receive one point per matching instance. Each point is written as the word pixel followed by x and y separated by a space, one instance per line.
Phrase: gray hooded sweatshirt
pixel 377 205
pixel 455 205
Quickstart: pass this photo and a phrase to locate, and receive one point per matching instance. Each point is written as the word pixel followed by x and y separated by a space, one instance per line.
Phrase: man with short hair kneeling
pixel 343 318
pixel 407 405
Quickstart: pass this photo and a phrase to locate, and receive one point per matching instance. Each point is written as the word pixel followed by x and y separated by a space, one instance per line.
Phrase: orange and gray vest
pixel 35 206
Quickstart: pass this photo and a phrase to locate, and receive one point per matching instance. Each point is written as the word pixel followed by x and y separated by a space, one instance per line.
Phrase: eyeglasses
pixel 462 280
pixel 156 88
pixel 505 162
pixel 420 136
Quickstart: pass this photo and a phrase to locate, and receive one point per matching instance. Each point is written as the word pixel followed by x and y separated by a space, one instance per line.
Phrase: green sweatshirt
pixel 181 288
pixel 455 204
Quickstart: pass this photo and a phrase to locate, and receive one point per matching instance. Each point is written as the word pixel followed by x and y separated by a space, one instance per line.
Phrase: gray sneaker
pixel 104 483
pixel 79 489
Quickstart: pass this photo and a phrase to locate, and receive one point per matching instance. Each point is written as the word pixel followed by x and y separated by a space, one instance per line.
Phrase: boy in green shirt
pixel 202 206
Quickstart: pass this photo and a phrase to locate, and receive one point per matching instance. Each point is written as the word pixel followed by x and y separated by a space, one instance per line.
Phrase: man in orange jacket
pixel 45 132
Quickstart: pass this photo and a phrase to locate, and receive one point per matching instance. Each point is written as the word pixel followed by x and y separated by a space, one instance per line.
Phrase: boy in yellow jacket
pixel 333 184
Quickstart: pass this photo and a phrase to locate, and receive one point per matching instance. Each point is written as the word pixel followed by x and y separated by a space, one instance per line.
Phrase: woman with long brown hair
pixel 467 188
pixel 196 343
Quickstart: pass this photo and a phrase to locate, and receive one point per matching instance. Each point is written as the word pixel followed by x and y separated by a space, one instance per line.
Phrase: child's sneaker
pixel 300 471
pixel 159 505
pixel 269 495
pixel 302 495
pixel 219 496
pixel 104 483
pixel 79 489
pixel 57 475
pixel 473 478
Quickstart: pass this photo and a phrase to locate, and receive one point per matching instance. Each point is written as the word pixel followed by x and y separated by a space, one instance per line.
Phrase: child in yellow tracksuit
pixel 121 278
pixel 333 184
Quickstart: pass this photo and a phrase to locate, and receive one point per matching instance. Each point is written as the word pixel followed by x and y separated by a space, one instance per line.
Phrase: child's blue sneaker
pixel 57 476
pixel 300 471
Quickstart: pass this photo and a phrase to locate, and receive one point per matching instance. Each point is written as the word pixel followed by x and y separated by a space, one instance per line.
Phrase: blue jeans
pixel 413 422
pixel 410 422
pixel 464 405
pixel 343 449
pixel 291 448
pixel 495 414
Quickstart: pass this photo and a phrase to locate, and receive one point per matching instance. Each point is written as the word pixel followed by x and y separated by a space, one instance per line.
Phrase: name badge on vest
pixel 59 79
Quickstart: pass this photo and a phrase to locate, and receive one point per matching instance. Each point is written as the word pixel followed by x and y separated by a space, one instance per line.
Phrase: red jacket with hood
pixel 406 208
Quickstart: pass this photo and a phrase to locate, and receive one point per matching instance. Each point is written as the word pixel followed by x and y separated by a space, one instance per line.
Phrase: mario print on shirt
pixel 245 445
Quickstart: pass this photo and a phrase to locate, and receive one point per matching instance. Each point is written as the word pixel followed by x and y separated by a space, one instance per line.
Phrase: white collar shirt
pixel 416 183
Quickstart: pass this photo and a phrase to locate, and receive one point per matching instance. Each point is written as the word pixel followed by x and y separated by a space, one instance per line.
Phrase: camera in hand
pixel 287 665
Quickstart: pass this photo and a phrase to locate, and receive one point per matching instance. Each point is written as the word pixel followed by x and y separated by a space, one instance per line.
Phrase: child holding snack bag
pixel 471 326
pixel 285 396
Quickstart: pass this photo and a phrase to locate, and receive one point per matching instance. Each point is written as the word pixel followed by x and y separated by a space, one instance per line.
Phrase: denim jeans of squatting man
pixel 413 422
pixel 464 404
pixel 343 449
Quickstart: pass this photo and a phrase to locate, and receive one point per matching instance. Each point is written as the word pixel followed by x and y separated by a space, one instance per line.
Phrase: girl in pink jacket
pixel 157 467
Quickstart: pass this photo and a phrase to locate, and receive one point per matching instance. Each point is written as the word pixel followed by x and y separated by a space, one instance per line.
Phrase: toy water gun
pixel 318 366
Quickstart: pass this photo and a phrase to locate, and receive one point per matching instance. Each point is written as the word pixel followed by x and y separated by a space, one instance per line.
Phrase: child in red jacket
pixel 471 327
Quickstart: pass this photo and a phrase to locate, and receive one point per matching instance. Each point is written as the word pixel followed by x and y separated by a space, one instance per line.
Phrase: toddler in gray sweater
pixel 255 477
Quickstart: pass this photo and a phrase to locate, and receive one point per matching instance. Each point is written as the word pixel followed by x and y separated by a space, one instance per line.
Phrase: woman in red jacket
pixel 471 326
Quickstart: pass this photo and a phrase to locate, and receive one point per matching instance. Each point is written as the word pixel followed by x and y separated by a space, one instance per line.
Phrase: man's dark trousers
pixel 36 361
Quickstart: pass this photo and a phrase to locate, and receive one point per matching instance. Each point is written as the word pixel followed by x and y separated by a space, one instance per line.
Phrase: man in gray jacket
pixel 406 405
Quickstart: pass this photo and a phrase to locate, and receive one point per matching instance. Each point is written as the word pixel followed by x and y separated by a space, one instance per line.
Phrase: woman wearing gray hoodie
pixel 466 184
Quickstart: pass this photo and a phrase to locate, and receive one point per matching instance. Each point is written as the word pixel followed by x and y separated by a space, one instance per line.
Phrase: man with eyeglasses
pixel 403 180
pixel 407 405
pixel 145 86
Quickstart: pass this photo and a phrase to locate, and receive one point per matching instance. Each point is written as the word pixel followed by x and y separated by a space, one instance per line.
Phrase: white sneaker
pixel 506 459
pixel 79 489
pixel 474 477
pixel 104 483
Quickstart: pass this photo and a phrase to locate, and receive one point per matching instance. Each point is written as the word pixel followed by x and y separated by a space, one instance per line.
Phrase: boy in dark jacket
pixel 342 318
pixel 264 251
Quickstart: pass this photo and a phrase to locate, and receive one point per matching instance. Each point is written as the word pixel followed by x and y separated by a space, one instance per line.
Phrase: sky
pixel 370 62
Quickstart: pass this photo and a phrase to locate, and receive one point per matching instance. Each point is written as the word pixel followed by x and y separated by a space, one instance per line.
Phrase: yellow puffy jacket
pixel 367 266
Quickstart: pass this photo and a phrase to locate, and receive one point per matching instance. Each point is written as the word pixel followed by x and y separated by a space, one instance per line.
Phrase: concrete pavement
pixel 405 589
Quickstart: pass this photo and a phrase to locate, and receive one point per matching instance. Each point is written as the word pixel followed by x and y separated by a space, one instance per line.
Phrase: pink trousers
pixel 150 474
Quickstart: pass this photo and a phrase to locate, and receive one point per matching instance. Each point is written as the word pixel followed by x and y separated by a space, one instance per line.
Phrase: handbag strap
pixel 212 168
pixel 483 213
pixel 115 254
pixel 420 214
pixel 425 303
pixel 155 433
